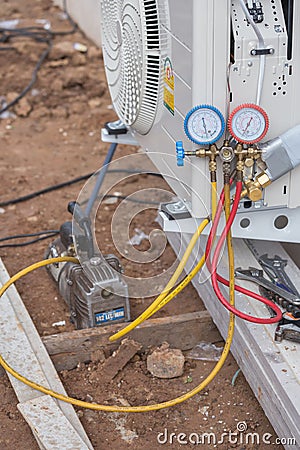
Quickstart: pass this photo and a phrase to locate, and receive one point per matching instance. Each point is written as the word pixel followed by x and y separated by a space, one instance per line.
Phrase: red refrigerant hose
pixel 218 278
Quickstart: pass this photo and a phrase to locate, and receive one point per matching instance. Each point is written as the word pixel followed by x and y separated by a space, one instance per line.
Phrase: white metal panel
pixel 281 90
pixel 199 33
pixel 181 16
pixel 88 16
pixel 200 56
pixel 244 72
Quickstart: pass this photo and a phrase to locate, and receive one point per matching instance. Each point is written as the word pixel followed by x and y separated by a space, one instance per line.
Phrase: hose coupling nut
pixel 254 188
pixel 263 179
pixel 201 152
pixel 226 154
pixel 226 169
pixel 212 166
pixel 240 165
pixel 249 162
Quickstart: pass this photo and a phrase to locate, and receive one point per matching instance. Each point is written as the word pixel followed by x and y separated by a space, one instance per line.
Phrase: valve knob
pixel 254 193
pixel 180 154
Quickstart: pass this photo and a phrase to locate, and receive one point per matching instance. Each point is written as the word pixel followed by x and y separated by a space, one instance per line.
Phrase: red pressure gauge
pixel 248 123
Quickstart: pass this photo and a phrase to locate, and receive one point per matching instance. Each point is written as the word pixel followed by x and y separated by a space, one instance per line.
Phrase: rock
pixel 94 52
pixel 62 50
pixel 74 77
pixel 39 112
pixel 23 107
pixel 136 358
pixel 58 63
pixel 78 59
pixel 77 107
pixel 90 416
pixel 21 47
pixel 57 85
pixel 60 111
pixel 95 102
pixel 94 377
pixel 98 356
pixel 120 400
pixel 11 96
pixel 33 57
pixel 204 410
pixel 165 362
pixel 34 219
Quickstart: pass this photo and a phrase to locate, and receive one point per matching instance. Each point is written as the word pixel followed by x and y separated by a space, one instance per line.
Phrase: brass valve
pixel 245 157
pixel 249 162
pixel 254 187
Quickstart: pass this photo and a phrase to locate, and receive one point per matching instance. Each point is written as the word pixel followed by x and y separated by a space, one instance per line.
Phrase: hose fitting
pixel 226 172
pixel 254 187
pixel 213 163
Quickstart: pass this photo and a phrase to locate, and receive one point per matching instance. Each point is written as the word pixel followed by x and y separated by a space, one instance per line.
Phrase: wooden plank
pixel 51 427
pixel 21 345
pixel 271 369
pixel 182 331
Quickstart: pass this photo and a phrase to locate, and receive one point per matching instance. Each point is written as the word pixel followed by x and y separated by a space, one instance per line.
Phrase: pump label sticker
pixel 169 84
pixel 108 316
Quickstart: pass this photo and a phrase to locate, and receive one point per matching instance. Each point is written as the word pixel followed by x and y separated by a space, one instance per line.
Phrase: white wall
pixel 87 13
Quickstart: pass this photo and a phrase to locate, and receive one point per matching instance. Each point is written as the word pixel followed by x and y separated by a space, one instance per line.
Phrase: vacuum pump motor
pixel 93 290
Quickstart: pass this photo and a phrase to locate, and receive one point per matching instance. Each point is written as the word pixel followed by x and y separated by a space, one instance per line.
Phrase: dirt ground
pixel 53 137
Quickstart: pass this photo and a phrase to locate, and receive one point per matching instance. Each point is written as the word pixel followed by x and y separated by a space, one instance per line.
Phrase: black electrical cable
pixel 55 187
pixel 52 233
pixel 40 35
pixel 4 49
pixel 58 186
pixel 32 81
pixel 20 236
pixel 33 241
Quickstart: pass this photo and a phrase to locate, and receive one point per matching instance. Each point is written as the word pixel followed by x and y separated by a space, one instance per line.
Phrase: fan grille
pixel 132 51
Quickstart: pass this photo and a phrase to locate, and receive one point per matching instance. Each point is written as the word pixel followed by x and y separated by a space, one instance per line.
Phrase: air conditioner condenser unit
pixel 179 71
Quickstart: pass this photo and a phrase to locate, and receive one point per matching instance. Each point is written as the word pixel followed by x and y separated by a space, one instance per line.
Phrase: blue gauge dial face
pixel 204 124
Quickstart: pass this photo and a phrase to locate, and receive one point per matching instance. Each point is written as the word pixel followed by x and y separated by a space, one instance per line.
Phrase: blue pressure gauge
pixel 204 124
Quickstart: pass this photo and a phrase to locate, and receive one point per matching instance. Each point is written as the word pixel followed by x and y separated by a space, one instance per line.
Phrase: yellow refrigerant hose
pixel 214 199
pixel 164 297
pixel 193 273
pixel 161 301
pixel 124 409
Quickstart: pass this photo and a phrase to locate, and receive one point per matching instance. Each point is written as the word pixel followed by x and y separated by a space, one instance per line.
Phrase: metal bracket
pixel 175 210
pixel 262 51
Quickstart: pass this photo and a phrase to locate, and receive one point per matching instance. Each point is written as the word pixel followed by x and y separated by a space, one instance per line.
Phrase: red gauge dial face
pixel 248 123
